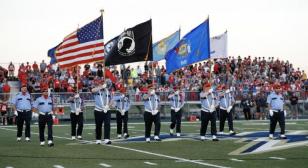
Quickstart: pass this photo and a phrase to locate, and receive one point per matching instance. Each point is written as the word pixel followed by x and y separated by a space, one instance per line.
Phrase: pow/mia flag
pixel 133 45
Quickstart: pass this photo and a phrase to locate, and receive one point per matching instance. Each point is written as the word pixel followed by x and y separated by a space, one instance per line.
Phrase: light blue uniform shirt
pixel 76 103
pixel 177 101
pixel 43 105
pixel 102 99
pixel 226 100
pixel 275 101
pixel 22 102
pixel 208 100
pixel 151 103
pixel 122 102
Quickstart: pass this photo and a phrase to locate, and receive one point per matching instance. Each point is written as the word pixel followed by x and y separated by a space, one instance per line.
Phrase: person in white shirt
pixel 176 98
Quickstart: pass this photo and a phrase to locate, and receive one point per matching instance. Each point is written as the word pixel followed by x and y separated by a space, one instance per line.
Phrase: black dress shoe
pixel 232 134
pixel 158 139
pixel 108 143
pixel 215 139
pixel 126 136
pixel 51 144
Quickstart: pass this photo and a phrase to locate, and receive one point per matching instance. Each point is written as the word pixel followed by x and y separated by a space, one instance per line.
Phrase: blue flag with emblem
pixel 52 54
pixel 193 47
pixel 161 47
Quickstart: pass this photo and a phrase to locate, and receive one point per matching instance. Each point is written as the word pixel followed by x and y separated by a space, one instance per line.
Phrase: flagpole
pixel 77 88
pixel 102 14
pixel 180 33
pixel 153 82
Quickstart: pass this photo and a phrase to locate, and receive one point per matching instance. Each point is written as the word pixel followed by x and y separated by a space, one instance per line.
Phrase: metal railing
pixel 192 104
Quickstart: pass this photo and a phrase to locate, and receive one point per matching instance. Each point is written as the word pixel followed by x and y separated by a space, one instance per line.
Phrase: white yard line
pixel 180 161
pixel 167 156
pixel 105 165
pixel 141 151
pixel 58 166
pixel 277 158
pixel 236 160
pixel 150 163
pixel 9 167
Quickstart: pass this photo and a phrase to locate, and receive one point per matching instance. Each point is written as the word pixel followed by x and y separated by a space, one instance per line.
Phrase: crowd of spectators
pixel 250 79
pixel 244 75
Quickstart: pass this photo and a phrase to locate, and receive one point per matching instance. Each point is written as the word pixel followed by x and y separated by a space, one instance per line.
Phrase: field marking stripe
pixel 105 165
pixel 277 158
pixel 141 151
pixel 167 156
pixel 150 163
pixel 180 161
pixel 58 166
pixel 237 160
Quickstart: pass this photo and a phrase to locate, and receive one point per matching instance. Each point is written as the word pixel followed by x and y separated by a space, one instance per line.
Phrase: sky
pixel 269 28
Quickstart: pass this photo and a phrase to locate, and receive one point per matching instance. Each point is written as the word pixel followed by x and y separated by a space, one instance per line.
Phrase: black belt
pixel 205 111
pixel 42 113
pixel 23 111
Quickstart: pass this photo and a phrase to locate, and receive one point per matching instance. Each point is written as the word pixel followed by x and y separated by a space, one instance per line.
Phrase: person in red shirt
pixel 216 68
pixel 171 79
pixel 11 69
pixel 28 67
pixel 64 85
pixel 56 85
pixel 6 89
pixel 143 89
pixel 43 84
pixel 70 89
pixel 86 72
pixel 22 74
pixel 35 67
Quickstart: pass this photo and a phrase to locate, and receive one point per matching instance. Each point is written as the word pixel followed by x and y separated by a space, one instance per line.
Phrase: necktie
pixel 153 102
pixel 123 102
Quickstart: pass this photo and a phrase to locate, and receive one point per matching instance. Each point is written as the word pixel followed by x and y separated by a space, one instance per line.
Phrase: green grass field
pixel 189 152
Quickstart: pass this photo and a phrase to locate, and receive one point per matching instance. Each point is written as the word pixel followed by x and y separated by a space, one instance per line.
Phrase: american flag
pixel 82 46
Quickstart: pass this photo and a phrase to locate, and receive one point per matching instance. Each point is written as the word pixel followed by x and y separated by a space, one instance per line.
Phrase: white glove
pixel 122 96
pixel 154 112
pixel 78 110
pixel 123 112
pixel 104 86
pixel 152 92
pixel 35 115
pixel 176 93
pixel 212 108
pixel 211 90
pixel 15 113
pixel 271 113
pixel 228 91
pixel 285 113
pixel 106 108
pixel 229 109
pixel 53 117
pixel 76 96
